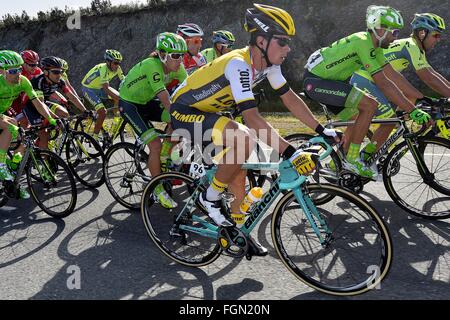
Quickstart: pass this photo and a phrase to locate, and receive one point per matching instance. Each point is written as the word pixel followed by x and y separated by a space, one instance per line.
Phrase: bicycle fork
pixel 312 214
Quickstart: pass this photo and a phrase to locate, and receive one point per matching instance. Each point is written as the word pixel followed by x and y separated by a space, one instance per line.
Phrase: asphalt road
pixel 107 246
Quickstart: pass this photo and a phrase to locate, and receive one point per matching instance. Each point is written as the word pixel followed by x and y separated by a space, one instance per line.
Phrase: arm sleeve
pixel 28 88
pixel 277 80
pixel 239 74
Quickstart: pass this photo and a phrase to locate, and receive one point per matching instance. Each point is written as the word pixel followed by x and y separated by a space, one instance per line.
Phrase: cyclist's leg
pixel 57 109
pixel 346 101
pixel 385 109
pixel 201 127
pixel 95 96
pixel 7 131
pixel 34 118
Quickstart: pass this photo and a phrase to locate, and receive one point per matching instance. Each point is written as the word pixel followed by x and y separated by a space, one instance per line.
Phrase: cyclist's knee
pixel 62 112
pixel 368 104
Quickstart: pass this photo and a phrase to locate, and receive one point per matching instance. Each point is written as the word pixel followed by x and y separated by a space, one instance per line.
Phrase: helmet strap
pixel 163 60
pixel 264 51
pixel 380 39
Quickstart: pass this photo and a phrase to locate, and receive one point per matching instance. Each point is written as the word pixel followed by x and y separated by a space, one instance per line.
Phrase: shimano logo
pixel 132 83
pixel 207 93
pixel 335 63
pixel 262 25
pixel 332 92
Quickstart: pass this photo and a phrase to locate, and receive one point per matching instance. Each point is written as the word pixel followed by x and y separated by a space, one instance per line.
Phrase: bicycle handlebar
pixel 320 140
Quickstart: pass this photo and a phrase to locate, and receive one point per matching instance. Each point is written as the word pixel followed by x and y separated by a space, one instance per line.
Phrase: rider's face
pixel 194 45
pixel 174 64
pixel 391 36
pixel 113 65
pixel 279 49
pixel 431 40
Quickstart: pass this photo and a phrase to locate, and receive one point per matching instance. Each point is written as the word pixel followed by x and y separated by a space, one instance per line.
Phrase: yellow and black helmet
pixel 264 19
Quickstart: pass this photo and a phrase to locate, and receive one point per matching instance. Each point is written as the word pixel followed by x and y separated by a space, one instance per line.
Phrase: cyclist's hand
pixel 331 136
pixel 303 162
pixel 419 116
pixel 428 101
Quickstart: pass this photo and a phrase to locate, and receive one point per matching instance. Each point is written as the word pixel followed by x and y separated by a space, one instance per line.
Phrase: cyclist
pixel 144 98
pixel 56 96
pixel 30 69
pixel 229 81
pixel 12 84
pixel 95 85
pixel 427 29
pixel 45 86
pixel 31 66
pixel 193 34
pixel 329 69
pixel 223 42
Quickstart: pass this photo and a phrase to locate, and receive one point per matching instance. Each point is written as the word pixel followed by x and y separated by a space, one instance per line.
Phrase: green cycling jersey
pixel 99 75
pixel 209 54
pixel 9 92
pixel 401 54
pixel 345 56
pixel 147 79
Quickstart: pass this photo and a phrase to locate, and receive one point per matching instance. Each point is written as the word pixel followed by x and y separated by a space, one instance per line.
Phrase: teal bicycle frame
pixel 289 179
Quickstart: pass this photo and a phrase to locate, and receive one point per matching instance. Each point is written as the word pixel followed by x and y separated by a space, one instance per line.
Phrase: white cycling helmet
pixel 189 30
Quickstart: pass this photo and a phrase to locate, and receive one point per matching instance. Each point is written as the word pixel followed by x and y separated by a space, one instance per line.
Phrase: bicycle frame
pixel 289 179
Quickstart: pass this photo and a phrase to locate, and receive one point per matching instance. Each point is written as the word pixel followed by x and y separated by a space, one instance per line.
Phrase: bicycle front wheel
pixel 124 175
pixel 355 253
pixel 194 249
pixel 51 183
pixel 85 158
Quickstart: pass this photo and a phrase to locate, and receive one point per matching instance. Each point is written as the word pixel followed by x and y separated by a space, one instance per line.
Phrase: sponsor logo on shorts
pixel 188 117
pixel 332 92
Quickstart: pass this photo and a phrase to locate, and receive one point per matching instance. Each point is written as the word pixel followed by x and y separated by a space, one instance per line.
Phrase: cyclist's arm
pixel 69 85
pixel 435 81
pixel 75 100
pixel 392 92
pixel 41 108
pixel 299 109
pixel 111 91
pixel 165 99
pixel 404 85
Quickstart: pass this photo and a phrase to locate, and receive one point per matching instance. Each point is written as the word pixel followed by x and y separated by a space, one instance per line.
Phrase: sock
pixel 2 156
pixel 215 189
pixel 353 152
pixel 165 149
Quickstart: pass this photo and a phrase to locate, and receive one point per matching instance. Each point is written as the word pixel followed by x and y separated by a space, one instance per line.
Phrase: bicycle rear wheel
pixel 188 248
pixel 51 183
pixel 85 158
pixel 427 198
pixel 357 252
pixel 124 176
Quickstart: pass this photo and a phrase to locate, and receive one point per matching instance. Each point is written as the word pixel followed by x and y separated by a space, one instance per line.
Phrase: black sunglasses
pixel 56 71
pixel 32 64
pixel 283 42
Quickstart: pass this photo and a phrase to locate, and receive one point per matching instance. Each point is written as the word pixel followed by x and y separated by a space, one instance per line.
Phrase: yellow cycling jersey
pixel 99 75
pixel 226 81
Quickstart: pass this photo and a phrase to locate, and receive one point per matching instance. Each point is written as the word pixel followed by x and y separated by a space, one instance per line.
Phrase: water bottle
pixel 115 124
pixel 15 161
pixel 251 199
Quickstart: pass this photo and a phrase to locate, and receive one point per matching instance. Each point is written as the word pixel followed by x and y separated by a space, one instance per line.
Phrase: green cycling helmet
pixel 65 65
pixel 10 59
pixel 112 55
pixel 171 43
pixel 378 17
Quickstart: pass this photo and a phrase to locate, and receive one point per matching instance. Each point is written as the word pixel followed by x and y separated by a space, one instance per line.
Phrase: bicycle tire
pixel 93 162
pixel 122 175
pixel 48 160
pixel 394 164
pixel 336 279
pixel 158 222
